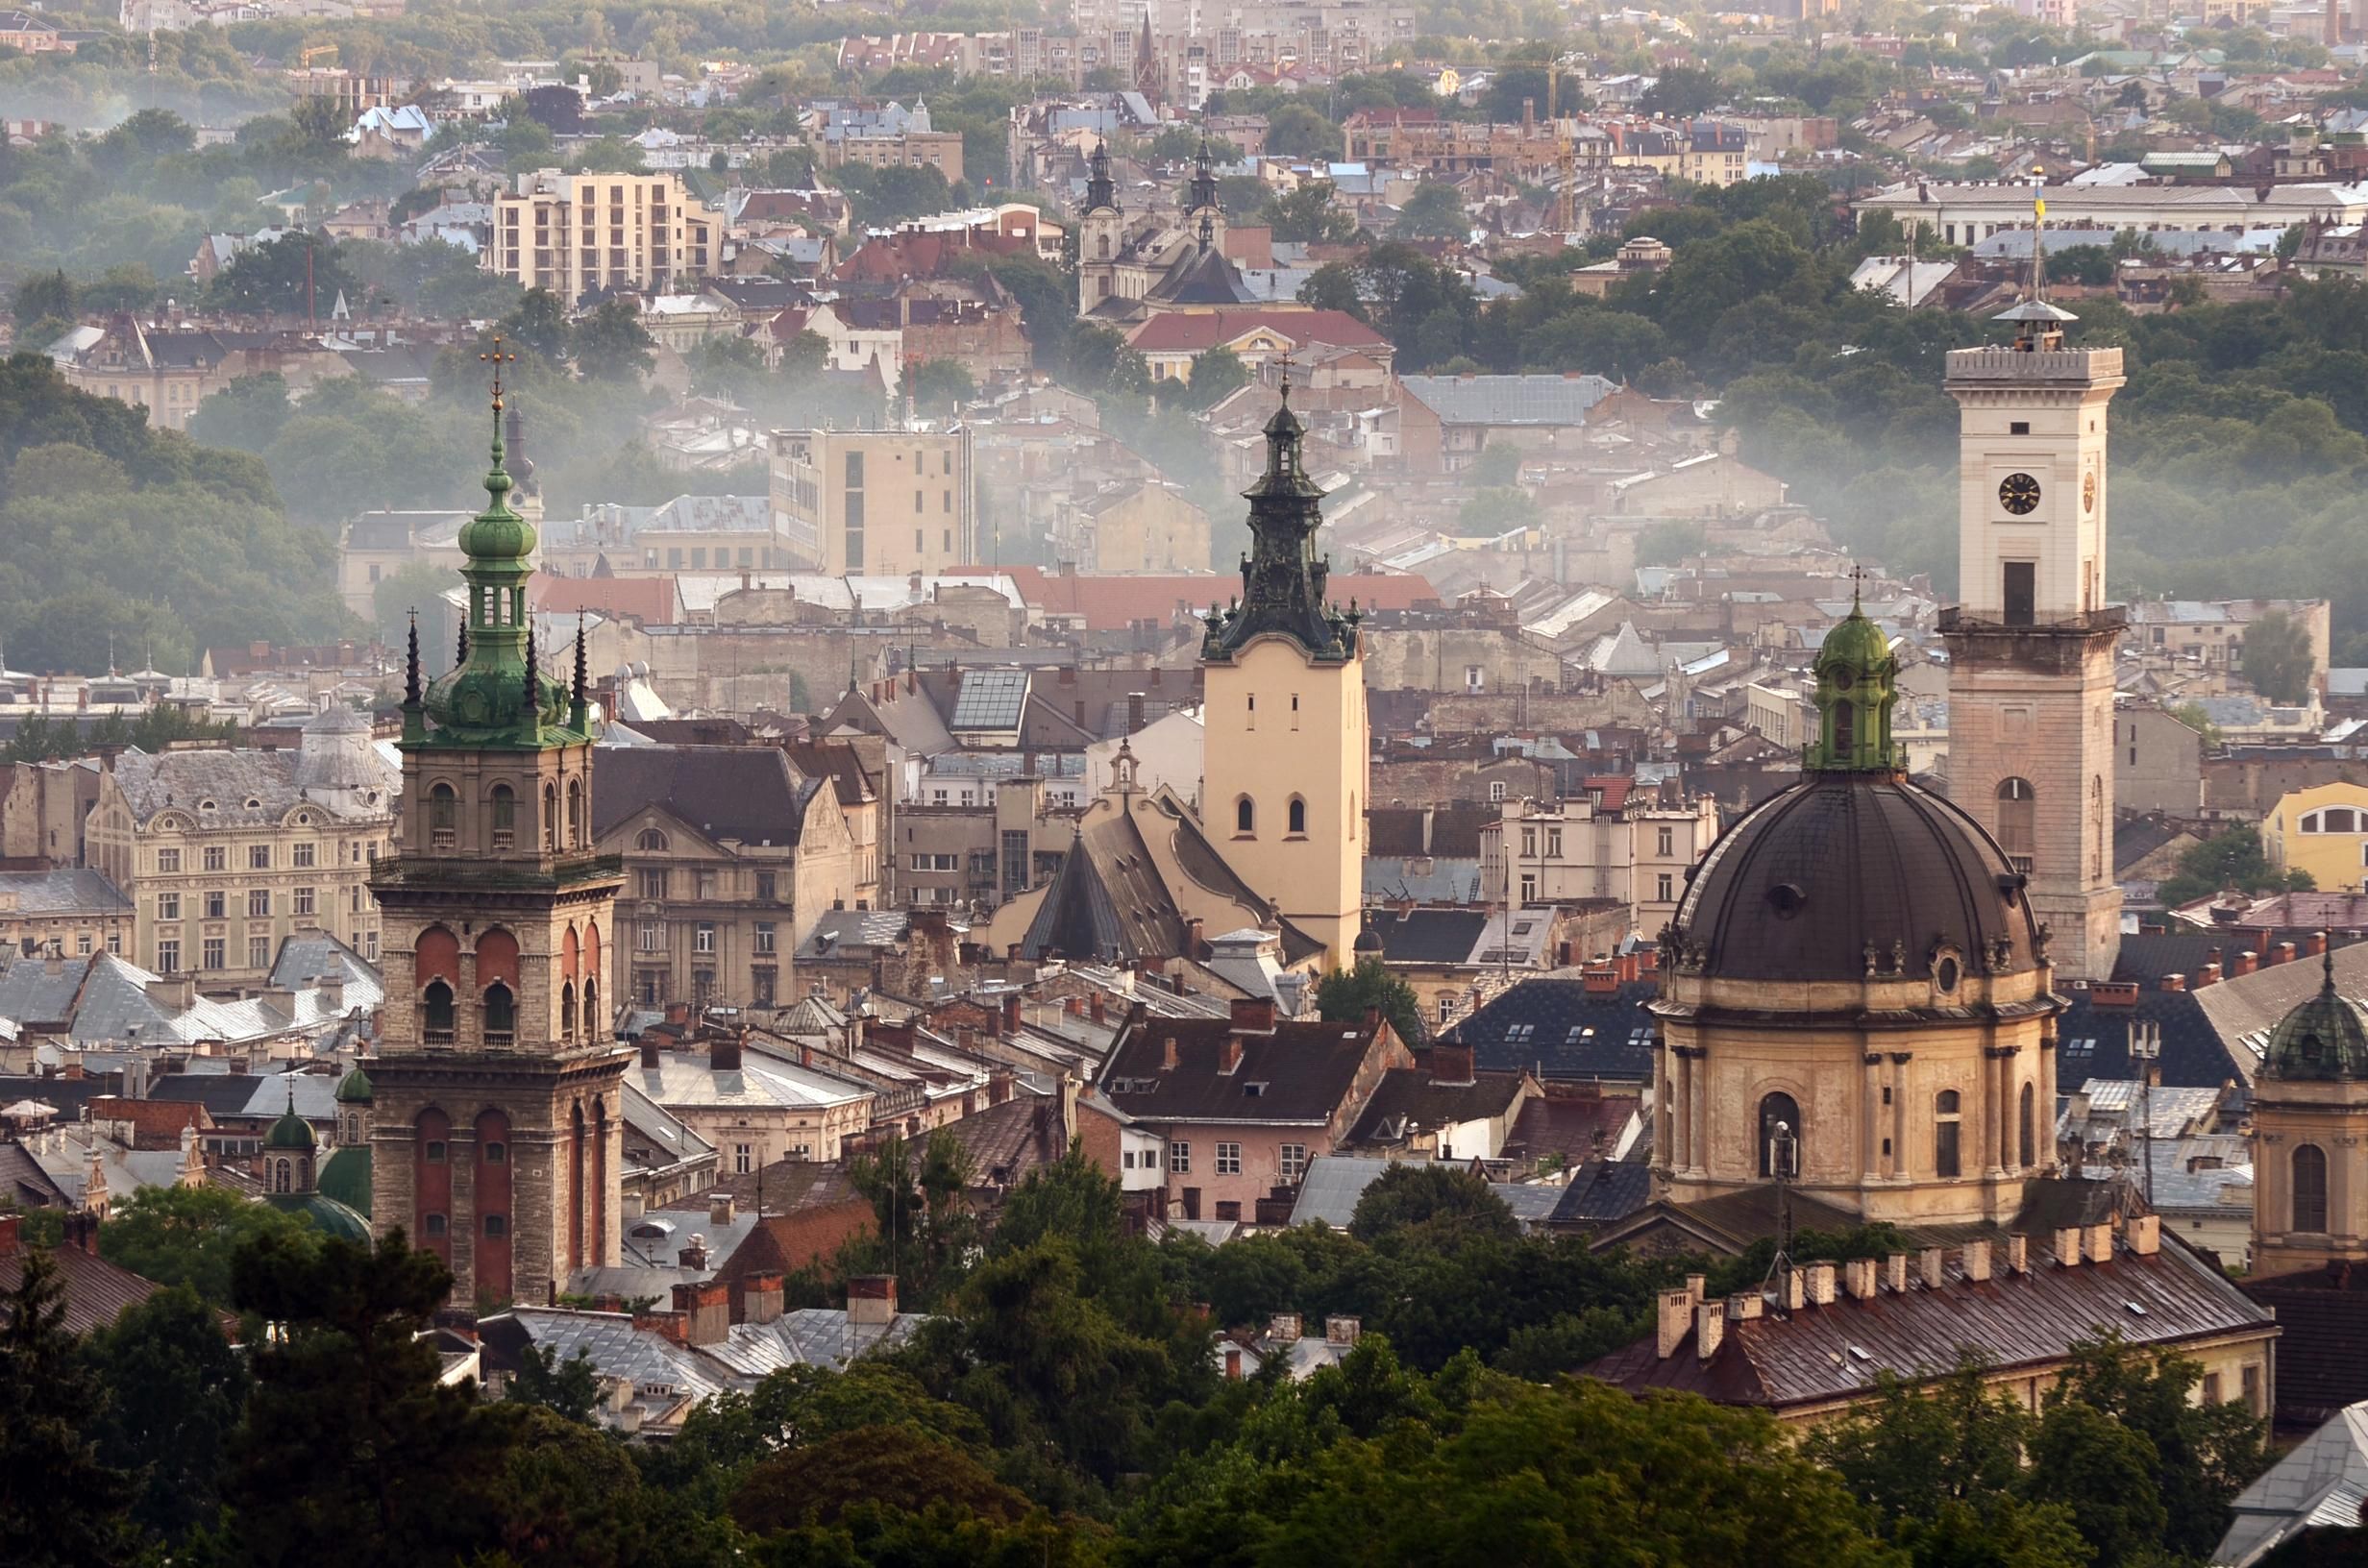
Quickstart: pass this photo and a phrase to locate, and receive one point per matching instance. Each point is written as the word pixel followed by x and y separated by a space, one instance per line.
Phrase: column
pixel 2006 1108
pixel 1697 1139
pixel 1899 1115
pixel 1681 1111
pixel 1871 1125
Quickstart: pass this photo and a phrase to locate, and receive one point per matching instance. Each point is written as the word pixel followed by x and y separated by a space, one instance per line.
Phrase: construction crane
pixel 1565 161
pixel 318 52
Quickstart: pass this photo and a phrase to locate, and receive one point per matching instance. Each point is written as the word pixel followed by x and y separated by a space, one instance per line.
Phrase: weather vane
pixel 497 359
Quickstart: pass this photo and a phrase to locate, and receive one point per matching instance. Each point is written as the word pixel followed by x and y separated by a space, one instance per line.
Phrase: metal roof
pixel 1509 400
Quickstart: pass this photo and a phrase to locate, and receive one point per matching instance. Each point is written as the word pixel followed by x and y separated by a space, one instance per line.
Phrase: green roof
pixel 2325 1036
pixel 334 1218
pixel 292 1131
pixel 345 1177
pixel 354 1088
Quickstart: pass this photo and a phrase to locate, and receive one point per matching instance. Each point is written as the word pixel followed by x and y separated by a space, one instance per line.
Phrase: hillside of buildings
pixel 1378 781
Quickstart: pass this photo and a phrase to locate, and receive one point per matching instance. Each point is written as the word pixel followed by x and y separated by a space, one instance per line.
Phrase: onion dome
pixel 354 1088
pixel 2323 1037
pixel 1369 944
pixel 292 1131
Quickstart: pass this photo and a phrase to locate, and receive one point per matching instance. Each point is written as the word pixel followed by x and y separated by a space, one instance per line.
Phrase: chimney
pixel 2247 962
pixel 1073 1007
pixel 2018 1254
pixel 1895 1272
pixel 1819 1281
pixel 2283 953
pixel 1857 1279
pixel 1134 712
pixel 2097 1241
pixel 2208 975
pixel 695 1254
pixel 1745 1306
pixel 1710 1329
pixel 8 1236
pixel 2120 994
pixel 1168 1055
pixel 2069 1247
pixel 1233 1363
pixel 1977 1261
pixel 675 1326
pixel 870 1300
pixel 723 1052
pixel 708 1308
pixel 1094 1006
pixel 1930 1266
pixel 761 1296
pixel 2144 1234
pixel 2314 945
pixel 1011 1014
pixel 1452 1065
pixel 331 986
pixel 1343 1331
pixel 1676 1316
pixel 651 1058
pixel 719 1208
pixel 1229 1056
pixel 1254 1015
pixel 1283 1328
pixel 1792 1294
pixel 2174 982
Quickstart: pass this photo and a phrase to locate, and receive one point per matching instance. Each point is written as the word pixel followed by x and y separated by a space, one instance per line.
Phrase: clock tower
pixel 2032 640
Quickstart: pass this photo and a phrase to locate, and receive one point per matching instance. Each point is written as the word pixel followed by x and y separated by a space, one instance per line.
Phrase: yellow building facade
pixel 2323 831
pixel 1286 737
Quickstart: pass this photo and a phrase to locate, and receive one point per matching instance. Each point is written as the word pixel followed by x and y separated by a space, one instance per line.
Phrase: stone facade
pixel 2160 767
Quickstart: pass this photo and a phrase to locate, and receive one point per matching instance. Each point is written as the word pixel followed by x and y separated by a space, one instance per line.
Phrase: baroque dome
pixel 2325 1036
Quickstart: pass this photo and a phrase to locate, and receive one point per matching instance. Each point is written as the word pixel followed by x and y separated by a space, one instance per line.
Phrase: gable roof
pixel 1546 401
pixel 1560 1029
pixel 2323 1480
pixel 1194 331
pixel 1301 1073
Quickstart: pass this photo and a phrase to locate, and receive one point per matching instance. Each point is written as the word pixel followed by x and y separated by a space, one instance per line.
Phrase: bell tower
pixel 2031 642
pixel 495 1135
pixel 1286 739
pixel 1101 233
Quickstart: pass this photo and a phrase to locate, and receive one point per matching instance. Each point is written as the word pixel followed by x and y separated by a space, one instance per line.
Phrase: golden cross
pixel 497 359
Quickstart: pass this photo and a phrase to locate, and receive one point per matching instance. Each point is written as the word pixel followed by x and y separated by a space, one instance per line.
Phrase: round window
pixel 1945 973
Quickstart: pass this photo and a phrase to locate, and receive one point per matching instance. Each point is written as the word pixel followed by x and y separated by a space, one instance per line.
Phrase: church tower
pixel 495 1135
pixel 1101 236
pixel 1203 212
pixel 2031 644
pixel 1285 734
pixel 2309 1116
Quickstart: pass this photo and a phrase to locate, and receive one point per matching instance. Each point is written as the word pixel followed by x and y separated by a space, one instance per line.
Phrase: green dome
pixel 497 533
pixel 344 1177
pixel 334 1218
pixel 292 1131
pixel 354 1088
pixel 1857 687
pixel 1855 641
pixel 2326 1037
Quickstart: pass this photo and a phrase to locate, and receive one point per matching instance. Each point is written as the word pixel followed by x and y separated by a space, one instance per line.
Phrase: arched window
pixel 593 1022
pixel 651 841
pixel 443 818
pixel 2026 1143
pixel 1845 728
pixel 284 1177
pixel 2018 820
pixel 501 1015
pixel 2098 836
pixel 551 817
pixel 575 814
pixel 1245 816
pixel 504 816
pixel 2309 1188
pixel 1780 1136
pixel 436 1024
pixel 1948 1158
pixel 1298 814
pixel 567 1012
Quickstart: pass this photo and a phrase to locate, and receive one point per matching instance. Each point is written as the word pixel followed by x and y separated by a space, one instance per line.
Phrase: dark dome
pixel 2325 1036
pixel 1810 879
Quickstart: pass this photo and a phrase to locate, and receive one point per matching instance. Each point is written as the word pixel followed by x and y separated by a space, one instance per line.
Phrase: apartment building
pixel 226 854
pixel 1611 841
pixel 572 233
pixel 876 503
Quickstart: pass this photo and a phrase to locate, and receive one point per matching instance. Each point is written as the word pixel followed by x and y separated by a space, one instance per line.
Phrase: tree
pixel 558 109
pixel 1434 211
pixel 320 121
pixel 1499 464
pixel 899 1467
pixel 940 384
pixel 1294 129
pixel 1347 995
pixel 1682 90
pixel 2103 1474
pixel 247 415
pixel 298 273
pixel 1309 215
pixel 1333 286
pixel 2277 660
pixel 537 322
pixel 1217 374
pixel 45 296
pixel 173 1385
pixel 611 346
pixel 192 1235
pixel 60 1503
pixel 2232 859
pixel 925 1231
pixel 570 1389
pixel 1667 543
pixel 1441 1204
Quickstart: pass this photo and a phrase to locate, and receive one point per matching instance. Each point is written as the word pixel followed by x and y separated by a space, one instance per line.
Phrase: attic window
pixel 205 805
pixel 253 804
pixel 1254 1092
pixel 1519 1034
pixel 304 819
pixel 2133 1309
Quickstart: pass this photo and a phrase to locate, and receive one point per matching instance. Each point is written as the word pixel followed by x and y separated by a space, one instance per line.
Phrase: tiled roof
pixel 1509 400
pixel 1603 1191
pixel 751 793
pixel 1302 1072
pixel 2012 1320
pixel 97 1292
pixel 1427 936
pixel 1410 1098
pixel 61 890
pixel 1194 331
pixel 1560 1029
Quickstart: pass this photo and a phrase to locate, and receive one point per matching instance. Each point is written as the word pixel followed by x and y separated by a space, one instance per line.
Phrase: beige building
pixel 1604 845
pixel 2032 646
pixel 226 854
pixel 2309 1115
pixel 70 911
pixel 754 1109
pixel 572 233
pixel 939 149
pixel 166 370
pixel 2323 831
pixel 1142 526
pixel 2160 763
pixel 729 853
pixel 876 503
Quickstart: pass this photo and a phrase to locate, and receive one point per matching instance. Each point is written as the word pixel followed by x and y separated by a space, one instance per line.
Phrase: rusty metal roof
pixel 1824 1354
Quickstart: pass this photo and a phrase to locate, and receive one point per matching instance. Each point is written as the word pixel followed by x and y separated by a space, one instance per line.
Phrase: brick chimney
pixel 2174 982
pixel 675 1326
pixel 1229 1056
pixel 1745 1306
pixel 1857 1279
pixel 870 1300
pixel 2018 1254
pixel 760 1296
pixel 2208 975
pixel 1976 1261
pixel 1895 1272
pixel 1283 1328
pixel 1452 1065
pixel 1818 1282
pixel 2314 945
pixel 1094 1006
pixel 2284 953
pixel 2097 1241
pixel 720 1208
pixel 1254 1015
pixel 695 1254
pixel 2144 1234
pixel 1168 1057
pixel 2069 1247
pixel 1930 1266
pixel 1674 1316
pixel 9 1242
pixel 707 1308
pixel 723 1052
pixel 1710 1329
pixel 2247 962
pixel 1342 1330
pixel 1011 1014
pixel 2112 994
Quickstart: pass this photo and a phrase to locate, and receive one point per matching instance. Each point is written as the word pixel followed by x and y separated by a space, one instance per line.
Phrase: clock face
pixel 2019 494
pixel 2088 491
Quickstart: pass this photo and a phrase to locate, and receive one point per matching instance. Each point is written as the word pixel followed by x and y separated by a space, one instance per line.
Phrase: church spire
pixel 1100 191
pixel 1856 673
pixel 1201 196
pixel 1283 576
pixel 580 702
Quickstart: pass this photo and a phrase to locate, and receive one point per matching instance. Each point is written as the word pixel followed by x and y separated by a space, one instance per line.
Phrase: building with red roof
pixel 1169 341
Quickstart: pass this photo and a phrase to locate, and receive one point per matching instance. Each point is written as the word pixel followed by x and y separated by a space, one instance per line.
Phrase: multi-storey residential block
pixel 572 233
pixel 1612 843
pixel 880 502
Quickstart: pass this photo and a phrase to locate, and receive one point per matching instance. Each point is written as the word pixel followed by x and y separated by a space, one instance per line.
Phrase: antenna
pixel 2038 226
pixel 1782 1151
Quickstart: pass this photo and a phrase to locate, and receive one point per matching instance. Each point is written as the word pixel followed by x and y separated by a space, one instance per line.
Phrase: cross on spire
pixel 1288 364
pixel 497 359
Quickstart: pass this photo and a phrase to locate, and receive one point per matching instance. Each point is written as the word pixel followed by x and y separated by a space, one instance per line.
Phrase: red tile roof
pixel 97 1292
pixel 1113 603
pixel 650 600
pixel 1179 332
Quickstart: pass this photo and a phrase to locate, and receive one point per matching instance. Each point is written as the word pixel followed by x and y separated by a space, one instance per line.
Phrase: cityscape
pixel 1119 784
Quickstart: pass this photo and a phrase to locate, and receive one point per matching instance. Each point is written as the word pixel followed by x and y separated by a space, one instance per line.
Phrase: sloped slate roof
pixel 1509 400
pixel 2322 1482
pixel 1562 1030
pixel 751 793
pixel 1302 1072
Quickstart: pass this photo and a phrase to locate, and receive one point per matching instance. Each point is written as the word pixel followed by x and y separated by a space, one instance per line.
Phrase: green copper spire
pixel 1857 685
pixel 497 695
